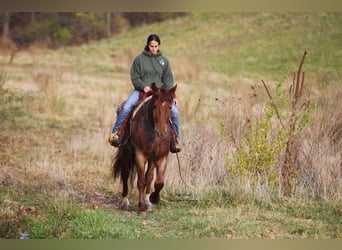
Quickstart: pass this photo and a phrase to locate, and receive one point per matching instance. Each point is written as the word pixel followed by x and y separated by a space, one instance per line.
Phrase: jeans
pixel 131 102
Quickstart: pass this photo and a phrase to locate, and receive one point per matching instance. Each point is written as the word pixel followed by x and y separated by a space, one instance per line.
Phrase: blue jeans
pixel 131 102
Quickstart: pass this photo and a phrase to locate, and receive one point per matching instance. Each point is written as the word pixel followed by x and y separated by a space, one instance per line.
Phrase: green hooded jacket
pixel 147 68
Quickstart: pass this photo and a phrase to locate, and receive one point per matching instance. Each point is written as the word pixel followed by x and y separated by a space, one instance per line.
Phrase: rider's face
pixel 153 47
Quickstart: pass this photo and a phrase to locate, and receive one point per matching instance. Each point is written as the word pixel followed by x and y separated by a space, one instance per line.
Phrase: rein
pixel 140 105
pixel 157 132
pixel 180 172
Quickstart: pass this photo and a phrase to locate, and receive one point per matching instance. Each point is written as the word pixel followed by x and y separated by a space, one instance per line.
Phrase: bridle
pixel 157 132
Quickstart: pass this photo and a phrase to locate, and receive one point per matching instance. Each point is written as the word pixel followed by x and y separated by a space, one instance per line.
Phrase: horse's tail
pixel 123 164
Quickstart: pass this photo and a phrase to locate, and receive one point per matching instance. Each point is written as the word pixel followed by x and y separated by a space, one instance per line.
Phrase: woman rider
pixel 148 67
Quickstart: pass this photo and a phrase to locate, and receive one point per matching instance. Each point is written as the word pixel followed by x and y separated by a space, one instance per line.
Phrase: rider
pixel 148 67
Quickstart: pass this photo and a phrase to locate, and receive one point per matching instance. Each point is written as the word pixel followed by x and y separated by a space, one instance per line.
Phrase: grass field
pixel 57 109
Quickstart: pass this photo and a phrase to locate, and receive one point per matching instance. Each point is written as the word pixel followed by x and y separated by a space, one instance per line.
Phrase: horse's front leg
pixel 159 183
pixel 140 164
pixel 149 179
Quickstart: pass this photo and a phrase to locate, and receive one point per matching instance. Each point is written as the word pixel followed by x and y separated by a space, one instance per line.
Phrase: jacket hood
pixel 147 53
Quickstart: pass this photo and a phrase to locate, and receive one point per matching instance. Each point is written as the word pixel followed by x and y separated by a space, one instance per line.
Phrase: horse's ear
pixel 173 90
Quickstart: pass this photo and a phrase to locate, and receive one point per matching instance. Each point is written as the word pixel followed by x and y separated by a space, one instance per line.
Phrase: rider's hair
pixel 152 37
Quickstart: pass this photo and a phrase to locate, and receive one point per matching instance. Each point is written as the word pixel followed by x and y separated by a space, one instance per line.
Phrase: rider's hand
pixel 147 89
pixel 175 102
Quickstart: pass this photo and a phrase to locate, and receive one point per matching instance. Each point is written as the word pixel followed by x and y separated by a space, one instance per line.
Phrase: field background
pixel 58 107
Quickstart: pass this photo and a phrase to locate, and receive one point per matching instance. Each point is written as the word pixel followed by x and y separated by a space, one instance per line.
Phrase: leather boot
pixel 176 146
pixel 114 140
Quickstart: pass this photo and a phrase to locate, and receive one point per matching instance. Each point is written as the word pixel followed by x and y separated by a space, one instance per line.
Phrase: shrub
pixel 63 35
pixel 256 159
pixel 259 158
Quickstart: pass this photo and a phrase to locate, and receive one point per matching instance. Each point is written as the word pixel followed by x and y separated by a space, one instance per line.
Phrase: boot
pixel 114 140
pixel 176 146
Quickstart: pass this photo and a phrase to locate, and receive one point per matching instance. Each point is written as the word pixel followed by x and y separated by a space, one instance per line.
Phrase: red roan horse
pixel 146 139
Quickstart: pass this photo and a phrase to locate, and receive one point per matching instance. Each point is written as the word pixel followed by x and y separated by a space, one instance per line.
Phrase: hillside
pixel 57 108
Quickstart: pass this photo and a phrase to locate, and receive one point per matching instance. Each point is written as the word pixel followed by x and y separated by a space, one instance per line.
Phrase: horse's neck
pixel 142 115
pixel 148 110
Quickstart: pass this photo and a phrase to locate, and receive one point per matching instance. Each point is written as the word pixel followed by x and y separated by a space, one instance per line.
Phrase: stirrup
pixel 176 146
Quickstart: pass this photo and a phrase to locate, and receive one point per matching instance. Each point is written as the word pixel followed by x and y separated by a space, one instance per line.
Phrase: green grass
pixel 232 44
pixel 204 218
pixel 249 44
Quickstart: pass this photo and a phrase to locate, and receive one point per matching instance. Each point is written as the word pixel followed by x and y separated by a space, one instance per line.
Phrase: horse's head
pixel 162 103
pixel 164 93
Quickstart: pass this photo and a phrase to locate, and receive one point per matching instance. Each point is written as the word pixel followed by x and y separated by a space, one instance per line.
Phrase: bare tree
pixel 298 108
pixel 6 43
pixel 108 24
pixel 6 30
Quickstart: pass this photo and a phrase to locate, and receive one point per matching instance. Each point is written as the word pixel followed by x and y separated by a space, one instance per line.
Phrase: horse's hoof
pixel 142 211
pixel 154 198
pixel 148 205
pixel 147 208
pixel 125 205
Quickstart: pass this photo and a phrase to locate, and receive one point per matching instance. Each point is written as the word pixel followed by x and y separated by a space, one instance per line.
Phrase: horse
pixel 146 143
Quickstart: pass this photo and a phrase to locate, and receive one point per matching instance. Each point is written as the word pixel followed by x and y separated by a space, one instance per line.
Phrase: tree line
pixel 52 30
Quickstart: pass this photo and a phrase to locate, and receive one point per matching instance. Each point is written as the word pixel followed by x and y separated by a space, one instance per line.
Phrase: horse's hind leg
pixel 140 164
pixel 125 204
pixel 124 196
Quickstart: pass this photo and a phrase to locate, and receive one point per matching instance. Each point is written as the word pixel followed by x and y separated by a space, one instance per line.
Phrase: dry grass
pixel 201 163
pixel 320 154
